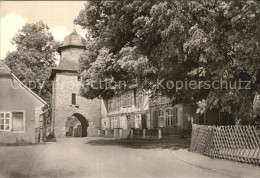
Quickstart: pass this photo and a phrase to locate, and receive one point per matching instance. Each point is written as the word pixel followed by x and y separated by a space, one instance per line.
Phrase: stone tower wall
pixel 66 84
pixel 72 54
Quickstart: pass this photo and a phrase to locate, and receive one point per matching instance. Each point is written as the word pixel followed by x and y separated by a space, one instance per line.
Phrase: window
pixel 115 122
pixel 114 103
pixel 5 120
pixel 155 119
pixel 129 99
pixel 112 123
pixel 137 121
pixel 124 100
pixel 73 99
pixel 79 78
pixel 109 105
pixel 140 98
pixel 169 117
pixel 18 122
pixel 160 114
pixel 118 103
pixel 160 118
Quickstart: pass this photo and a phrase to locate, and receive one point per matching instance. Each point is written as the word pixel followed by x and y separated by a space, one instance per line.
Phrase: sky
pixel 59 16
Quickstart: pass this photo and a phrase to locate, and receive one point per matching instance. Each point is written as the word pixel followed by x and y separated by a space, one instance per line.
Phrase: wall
pixel 19 99
pixel 125 110
pixel 72 54
pixel 67 83
pixel 133 108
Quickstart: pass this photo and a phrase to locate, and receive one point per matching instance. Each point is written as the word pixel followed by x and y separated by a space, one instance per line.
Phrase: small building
pixel 214 117
pixel 69 109
pixel 171 119
pixel 20 109
pixel 132 113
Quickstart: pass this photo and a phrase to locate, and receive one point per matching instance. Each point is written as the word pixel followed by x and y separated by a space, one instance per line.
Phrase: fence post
pixel 144 133
pixel 132 133
pixel 160 133
pixel 120 133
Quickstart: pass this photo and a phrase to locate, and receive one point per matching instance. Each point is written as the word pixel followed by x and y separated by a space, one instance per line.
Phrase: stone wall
pixel 66 84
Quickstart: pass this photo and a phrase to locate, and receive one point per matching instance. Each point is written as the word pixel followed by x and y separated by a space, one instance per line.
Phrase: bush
pixel 22 142
pixel 51 138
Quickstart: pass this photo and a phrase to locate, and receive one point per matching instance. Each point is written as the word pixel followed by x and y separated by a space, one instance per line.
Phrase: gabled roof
pixel 28 89
pixel 4 69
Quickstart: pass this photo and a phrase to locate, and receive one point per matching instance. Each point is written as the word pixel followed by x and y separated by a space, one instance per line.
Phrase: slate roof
pixel 4 69
pixel 67 64
pixel 73 40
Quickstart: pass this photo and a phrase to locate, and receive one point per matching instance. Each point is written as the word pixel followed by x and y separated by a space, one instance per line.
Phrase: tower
pixel 72 114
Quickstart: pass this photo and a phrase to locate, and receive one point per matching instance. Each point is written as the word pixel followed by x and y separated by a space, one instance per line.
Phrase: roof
pixel 28 89
pixel 4 69
pixel 73 40
pixel 67 64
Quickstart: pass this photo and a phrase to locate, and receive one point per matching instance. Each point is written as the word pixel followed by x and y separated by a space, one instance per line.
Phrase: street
pixel 95 157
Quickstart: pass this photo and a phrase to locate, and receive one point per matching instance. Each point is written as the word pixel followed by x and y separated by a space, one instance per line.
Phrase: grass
pixel 19 142
pixel 173 144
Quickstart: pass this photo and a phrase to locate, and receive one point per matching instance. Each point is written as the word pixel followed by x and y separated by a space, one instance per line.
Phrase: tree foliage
pixel 34 57
pixel 178 40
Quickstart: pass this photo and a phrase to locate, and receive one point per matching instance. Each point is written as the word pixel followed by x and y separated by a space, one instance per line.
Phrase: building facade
pixel 171 119
pixel 20 109
pixel 124 112
pixel 133 113
pixel 72 114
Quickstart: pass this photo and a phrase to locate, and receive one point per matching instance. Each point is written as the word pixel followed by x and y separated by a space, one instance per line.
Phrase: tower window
pixel 73 99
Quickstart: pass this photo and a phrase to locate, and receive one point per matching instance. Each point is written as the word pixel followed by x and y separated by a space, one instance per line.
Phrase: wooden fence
pixel 236 143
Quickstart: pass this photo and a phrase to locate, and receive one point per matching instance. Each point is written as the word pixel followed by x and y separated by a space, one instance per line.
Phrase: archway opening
pixel 76 126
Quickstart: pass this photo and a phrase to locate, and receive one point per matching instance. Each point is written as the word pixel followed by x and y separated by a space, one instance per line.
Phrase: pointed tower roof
pixel 73 40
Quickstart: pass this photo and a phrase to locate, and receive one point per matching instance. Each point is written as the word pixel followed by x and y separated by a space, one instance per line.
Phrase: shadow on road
pixel 143 144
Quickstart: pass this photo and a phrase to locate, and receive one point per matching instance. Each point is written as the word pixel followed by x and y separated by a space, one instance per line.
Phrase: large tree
pixel 179 41
pixel 34 57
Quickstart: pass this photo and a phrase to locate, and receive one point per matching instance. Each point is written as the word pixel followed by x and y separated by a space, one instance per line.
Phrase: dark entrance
pixel 76 126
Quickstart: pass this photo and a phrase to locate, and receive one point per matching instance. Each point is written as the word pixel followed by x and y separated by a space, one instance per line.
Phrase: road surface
pixel 94 157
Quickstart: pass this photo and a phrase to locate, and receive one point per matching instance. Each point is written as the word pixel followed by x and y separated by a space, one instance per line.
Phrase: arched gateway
pixel 76 126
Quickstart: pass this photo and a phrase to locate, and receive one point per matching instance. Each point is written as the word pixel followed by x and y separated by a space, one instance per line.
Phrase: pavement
pixel 225 167
pixel 101 157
